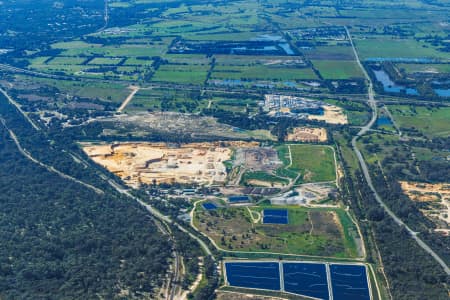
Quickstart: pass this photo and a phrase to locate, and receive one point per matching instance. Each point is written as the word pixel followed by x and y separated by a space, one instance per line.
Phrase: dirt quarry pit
pixel 137 163
pixel 307 134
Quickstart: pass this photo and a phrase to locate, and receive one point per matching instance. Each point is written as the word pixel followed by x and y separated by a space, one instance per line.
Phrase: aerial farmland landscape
pixel 260 149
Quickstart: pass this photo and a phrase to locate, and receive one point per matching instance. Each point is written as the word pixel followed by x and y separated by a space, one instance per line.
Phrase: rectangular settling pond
pixel 255 275
pixel 307 279
pixel 275 216
pixel 349 282
pixel 310 279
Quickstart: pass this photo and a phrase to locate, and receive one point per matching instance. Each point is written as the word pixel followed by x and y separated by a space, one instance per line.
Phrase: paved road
pixel 372 103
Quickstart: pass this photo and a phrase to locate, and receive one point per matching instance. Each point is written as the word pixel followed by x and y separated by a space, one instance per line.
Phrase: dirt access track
pixel 137 163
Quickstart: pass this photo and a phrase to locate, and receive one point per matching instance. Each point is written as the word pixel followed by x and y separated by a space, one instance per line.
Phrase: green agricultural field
pixel 315 163
pixel 166 100
pixel 105 61
pixel 123 50
pixel 67 69
pixel 262 72
pixel 133 61
pixel 187 74
pixel 338 69
pixel 74 45
pixel 330 53
pixel 317 232
pixel 190 59
pixel 248 60
pixel 108 92
pixel 64 60
pixel 424 68
pixel 396 48
pixel 433 122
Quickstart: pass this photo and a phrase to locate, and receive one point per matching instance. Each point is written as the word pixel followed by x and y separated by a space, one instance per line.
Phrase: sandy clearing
pixel 331 114
pixel 307 134
pixel 138 163
pixel 436 195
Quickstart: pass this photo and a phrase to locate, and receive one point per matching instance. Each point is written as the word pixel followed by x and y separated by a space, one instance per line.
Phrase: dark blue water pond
pixel 275 216
pixel 349 282
pixel 306 279
pixel 383 121
pixel 256 275
pixel 209 206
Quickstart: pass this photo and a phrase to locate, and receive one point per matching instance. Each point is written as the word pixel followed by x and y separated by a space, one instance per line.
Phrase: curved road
pixel 373 104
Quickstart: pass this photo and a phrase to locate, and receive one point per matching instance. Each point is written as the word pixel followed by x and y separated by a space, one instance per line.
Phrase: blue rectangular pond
pixel 308 279
pixel 349 282
pixel 209 206
pixel 238 199
pixel 255 275
pixel 275 216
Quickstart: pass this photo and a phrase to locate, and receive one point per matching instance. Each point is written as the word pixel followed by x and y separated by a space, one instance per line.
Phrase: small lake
pixel 442 92
pixel 290 84
pixel 392 87
pixel 383 121
pixel 287 48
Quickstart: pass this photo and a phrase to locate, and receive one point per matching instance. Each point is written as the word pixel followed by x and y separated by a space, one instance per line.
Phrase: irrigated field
pixel 314 163
pixel 338 69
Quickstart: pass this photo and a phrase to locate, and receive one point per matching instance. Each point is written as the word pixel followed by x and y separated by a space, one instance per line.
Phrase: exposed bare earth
pixel 242 296
pixel 134 90
pixel 138 163
pixel 175 124
pixel 307 134
pixel 437 197
pixel 331 114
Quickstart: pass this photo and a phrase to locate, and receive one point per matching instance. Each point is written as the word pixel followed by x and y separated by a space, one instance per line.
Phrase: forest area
pixel 64 241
